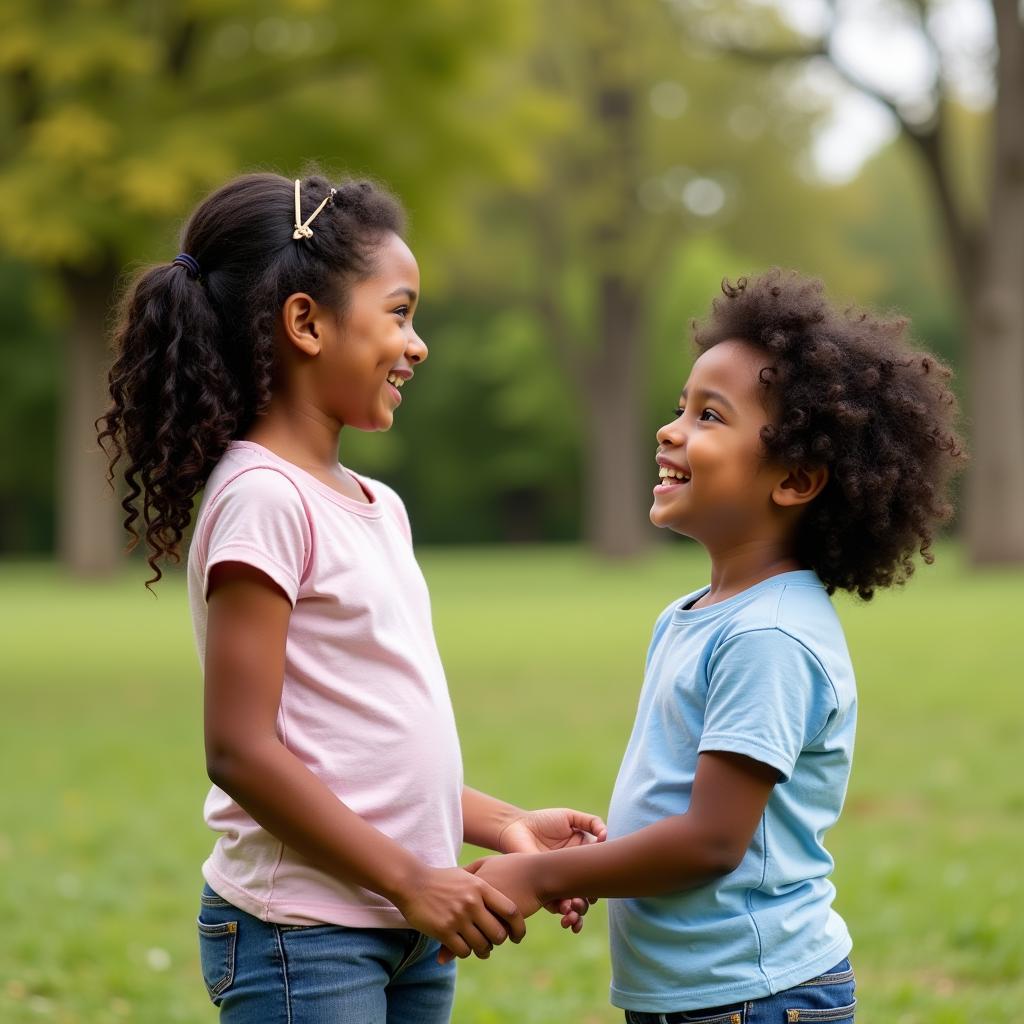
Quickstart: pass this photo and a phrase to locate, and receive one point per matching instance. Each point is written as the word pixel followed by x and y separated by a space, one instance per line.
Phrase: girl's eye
pixel 678 412
pixel 710 414
pixel 402 311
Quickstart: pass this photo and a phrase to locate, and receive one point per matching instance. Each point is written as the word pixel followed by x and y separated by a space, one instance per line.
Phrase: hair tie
pixel 303 230
pixel 190 264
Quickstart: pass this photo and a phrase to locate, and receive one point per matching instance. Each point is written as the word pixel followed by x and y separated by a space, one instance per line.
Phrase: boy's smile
pixel 714 481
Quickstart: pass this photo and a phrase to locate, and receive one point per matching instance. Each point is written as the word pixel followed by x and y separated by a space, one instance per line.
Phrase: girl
pixel 811 452
pixel 329 732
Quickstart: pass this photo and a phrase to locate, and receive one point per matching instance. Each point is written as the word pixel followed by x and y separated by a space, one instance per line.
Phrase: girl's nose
pixel 416 350
pixel 670 433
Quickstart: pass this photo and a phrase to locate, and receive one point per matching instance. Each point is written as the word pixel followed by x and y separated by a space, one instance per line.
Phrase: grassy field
pixel 101 835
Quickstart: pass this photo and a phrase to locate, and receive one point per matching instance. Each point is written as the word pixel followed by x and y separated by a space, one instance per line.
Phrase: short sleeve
pixel 768 697
pixel 258 518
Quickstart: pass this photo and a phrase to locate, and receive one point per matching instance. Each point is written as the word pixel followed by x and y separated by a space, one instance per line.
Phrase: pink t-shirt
pixel 364 704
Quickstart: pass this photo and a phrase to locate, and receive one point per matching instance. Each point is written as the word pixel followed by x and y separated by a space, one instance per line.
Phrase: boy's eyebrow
pixel 714 396
pixel 402 291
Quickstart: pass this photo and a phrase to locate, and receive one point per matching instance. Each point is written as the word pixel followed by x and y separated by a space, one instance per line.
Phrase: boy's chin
pixel 666 522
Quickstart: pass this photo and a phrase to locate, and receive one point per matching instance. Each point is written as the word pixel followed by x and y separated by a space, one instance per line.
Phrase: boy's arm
pixel 730 792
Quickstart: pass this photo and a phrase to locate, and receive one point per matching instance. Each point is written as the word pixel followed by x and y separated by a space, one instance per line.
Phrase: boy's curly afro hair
pixel 848 391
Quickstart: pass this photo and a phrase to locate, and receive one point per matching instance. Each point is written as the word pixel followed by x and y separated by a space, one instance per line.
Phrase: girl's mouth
pixel 396 383
pixel 670 478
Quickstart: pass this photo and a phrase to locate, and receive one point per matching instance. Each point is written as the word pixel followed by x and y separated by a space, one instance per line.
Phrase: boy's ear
pixel 299 322
pixel 800 485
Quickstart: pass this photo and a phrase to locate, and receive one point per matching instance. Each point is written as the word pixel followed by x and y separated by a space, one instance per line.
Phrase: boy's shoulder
pixel 793 607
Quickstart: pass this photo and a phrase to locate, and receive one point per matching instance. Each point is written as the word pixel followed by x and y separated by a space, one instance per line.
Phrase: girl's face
pixel 372 355
pixel 715 483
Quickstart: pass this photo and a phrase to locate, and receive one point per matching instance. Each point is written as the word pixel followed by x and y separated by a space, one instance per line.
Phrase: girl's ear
pixel 799 486
pixel 299 316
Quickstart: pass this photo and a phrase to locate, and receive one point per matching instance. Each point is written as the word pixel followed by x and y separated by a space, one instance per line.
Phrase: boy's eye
pixel 709 414
pixel 677 412
pixel 402 311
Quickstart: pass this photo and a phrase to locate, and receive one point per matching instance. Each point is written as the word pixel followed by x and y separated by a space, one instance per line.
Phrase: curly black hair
pixel 847 391
pixel 195 353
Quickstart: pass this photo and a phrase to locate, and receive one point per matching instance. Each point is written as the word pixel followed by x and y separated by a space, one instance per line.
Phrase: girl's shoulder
pixel 243 476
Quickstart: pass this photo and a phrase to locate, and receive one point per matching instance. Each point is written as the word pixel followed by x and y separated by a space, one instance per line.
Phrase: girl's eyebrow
pixel 402 291
pixel 713 396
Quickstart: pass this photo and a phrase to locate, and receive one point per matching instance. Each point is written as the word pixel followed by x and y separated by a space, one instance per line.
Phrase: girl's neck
pixel 300 434
pixel 738 568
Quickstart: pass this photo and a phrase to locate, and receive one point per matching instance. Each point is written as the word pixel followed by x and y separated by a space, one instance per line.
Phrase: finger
pixel 580 905
pixel 476 940
pixel 589 823
pixel 455 945
pixel 501 906
pixel 492 927
pixel 445 955
pixel 476 865
pixel 577 927
pixel 570 920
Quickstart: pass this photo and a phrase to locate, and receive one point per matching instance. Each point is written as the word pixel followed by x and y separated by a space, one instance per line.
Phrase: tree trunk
pixel 618 490
pixel 89 541
pixel 995 487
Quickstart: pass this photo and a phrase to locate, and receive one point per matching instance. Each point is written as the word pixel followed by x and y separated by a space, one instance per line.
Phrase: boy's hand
pixel 464 912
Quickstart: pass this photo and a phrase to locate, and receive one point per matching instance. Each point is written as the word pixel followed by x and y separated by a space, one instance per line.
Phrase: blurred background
pixel 579 177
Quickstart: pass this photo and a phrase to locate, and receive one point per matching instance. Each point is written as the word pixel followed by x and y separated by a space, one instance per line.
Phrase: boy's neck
pixel 736 569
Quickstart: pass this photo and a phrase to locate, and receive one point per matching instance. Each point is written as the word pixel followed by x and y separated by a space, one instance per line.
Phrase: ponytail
pixel 194 338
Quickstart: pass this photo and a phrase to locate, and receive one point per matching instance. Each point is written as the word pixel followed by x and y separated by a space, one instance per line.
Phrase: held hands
pixel 461 910
pixel 554 828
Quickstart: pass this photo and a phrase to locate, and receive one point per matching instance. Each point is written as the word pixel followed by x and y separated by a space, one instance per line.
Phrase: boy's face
pixel 722 485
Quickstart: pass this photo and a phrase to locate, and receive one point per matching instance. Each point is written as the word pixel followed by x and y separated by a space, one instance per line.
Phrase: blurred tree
pixel 29 339
pixel 652 144
pixel 115 117
pixel 984 240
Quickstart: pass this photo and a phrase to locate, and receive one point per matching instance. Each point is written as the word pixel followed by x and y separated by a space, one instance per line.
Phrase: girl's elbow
pixel 227 763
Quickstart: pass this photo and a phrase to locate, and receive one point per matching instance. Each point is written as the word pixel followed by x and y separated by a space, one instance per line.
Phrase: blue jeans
pixel 829 997
pixel 263 973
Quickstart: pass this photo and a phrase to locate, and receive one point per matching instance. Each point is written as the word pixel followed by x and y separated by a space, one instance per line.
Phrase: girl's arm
pixel 247 627
pixel 729 796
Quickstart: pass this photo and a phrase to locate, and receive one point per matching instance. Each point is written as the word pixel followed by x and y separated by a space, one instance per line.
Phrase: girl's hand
pixel 462 911
pixel 555 828
pixel 511 875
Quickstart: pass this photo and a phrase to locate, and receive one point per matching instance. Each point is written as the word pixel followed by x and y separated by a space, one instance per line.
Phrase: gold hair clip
pixel 304 230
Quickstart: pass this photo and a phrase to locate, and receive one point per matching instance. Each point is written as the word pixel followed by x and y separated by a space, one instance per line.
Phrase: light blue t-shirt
pixel 767 674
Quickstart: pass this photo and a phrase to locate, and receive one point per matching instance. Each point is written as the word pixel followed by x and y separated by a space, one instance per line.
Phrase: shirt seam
pixel 778 757
pixel 785 632
pixel 246 546
pixel 280 844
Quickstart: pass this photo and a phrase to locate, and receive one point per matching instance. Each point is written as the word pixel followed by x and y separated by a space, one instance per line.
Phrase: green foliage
pixel 28 410
pixel 101 837
pixel 116 119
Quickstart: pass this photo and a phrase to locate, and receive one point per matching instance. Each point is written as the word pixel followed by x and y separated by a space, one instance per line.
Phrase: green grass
pixel 101 835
